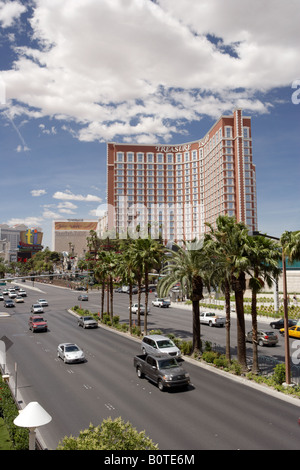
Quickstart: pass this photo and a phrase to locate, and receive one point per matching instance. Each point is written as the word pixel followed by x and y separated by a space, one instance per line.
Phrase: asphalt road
pixel 214 413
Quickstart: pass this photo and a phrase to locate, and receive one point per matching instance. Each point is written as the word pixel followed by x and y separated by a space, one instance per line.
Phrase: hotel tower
pixel 172 190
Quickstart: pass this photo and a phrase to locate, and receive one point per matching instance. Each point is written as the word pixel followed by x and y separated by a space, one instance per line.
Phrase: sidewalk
pixel 260 318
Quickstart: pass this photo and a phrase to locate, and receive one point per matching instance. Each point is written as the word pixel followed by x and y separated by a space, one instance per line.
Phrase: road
pixel 214 413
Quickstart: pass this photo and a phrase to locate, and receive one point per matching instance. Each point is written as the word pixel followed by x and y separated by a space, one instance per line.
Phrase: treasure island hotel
pixel 173 190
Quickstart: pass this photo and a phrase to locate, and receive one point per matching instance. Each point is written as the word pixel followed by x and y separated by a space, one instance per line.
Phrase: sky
pixel 76 74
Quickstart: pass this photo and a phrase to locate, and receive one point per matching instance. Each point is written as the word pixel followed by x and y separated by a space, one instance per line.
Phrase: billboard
pixel 76 225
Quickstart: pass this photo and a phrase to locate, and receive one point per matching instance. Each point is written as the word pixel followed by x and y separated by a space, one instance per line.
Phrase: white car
pixel 135 308
pixel 70 352
pixel 37 308
pixel 12 294
pixel 43 302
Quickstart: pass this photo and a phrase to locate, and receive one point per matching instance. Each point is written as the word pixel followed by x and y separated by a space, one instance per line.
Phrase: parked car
pixel 43 302
pixel 8 303
pixel 37 323
pixel 264 338
pixel 280 323
pixel 157 344
pixel 87 322
pixel 83 297
pixel 37 308
pixel 70 352
pixel 294 331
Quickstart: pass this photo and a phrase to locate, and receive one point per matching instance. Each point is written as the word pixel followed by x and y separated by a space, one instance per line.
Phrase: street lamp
pixel 32 417
pixel 285 311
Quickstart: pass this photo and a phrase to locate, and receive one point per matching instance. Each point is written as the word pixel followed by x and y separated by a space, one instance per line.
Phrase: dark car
pixel 280 323
pixel 83 297
pixel 9 303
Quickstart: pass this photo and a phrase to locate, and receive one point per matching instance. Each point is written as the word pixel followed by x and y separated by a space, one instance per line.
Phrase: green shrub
pixel 9 411
pixel 279 374
pixel 209 356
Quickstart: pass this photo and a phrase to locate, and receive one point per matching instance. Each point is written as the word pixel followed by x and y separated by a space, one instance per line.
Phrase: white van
pixel 157 344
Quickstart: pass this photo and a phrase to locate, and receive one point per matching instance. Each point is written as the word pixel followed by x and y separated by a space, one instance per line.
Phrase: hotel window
pixel 246 132
pixel 160 158
pixel 150 157
pixel 170 158
pixel 129 157
pixel 140 157
pixel 120 156
pixel 178 157
pixel 228 132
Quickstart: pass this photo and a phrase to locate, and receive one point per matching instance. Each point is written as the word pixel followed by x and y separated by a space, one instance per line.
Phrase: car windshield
pixel 165 343
pixel 71 348
pixel 37 320
pixel 168 363
pixel 88 318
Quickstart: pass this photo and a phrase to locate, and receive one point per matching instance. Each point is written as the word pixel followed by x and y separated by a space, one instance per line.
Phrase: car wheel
pixel 210 323
pixel 160 385
pixel 139 373
pixel 260 342
pixel 144 351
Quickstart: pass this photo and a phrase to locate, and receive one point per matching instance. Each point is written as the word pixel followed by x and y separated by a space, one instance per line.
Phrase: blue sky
pixel 75 74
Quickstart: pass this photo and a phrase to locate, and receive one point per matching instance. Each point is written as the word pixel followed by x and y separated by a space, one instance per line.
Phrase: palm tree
pixel 264 256
pixel 147 255
pixel 290 242
pixel 218 249
pixel 183 264
pixel 232 248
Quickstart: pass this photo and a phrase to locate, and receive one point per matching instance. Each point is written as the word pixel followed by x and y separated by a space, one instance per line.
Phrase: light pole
pixel 32 417
pixel 285 312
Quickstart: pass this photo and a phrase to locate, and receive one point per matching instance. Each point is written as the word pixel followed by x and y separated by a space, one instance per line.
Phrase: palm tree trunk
pixel 130 306
pixel 146 299
pixel 111 289
pixel 255 366
pixel 196 327
pixel 227 322
pixel 102 298
pixel 238 285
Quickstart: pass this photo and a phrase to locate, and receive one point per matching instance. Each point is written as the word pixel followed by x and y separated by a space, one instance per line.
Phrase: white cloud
pixel 29 221
pixel 10 11
pixel 67 195
pixel 139 69
pixel 38 192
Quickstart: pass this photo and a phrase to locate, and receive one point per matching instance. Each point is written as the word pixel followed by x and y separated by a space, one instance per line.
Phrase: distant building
pixel 173 190
pixel 19 243
pixel 70 236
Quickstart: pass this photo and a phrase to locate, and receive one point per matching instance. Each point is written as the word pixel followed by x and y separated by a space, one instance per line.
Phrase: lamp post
pixel 32 417
pixel 285 311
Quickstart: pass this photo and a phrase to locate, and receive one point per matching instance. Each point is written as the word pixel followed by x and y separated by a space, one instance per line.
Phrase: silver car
pixel 87 322
pixel 264 338
pixel 37 308
pixel 157 344
pixel 70 352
